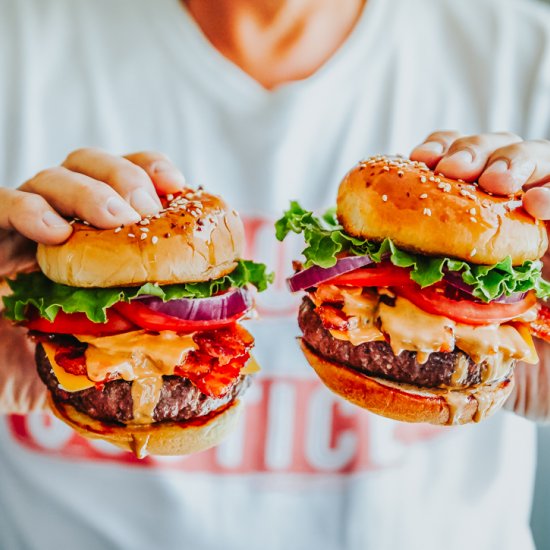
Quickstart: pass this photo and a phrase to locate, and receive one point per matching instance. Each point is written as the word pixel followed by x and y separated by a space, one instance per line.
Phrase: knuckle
pixel 90 191
pixel 28 202
pixel 78 154
pixel 443 135
pixel 128 175
pixel 47 174
pixel 468 142
pixel 151 156
pixel 512 150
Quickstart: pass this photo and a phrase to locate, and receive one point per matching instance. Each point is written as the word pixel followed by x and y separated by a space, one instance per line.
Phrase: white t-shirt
pixel 305 470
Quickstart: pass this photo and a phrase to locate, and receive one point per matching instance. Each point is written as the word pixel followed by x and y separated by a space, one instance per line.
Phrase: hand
pixel 502 163
pixel 103 189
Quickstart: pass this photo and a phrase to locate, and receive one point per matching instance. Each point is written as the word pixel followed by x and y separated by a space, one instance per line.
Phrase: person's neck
pixel 276 41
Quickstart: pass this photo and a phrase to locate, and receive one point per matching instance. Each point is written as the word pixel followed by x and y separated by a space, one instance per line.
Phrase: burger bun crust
pixel 428 213
pixel 166 438
pixel 197 237
pixel 407 403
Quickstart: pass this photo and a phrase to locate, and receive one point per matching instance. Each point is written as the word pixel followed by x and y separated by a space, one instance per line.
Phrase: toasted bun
pixel 428 213
pixel 170 439
pixel 197 237
pixel 408 403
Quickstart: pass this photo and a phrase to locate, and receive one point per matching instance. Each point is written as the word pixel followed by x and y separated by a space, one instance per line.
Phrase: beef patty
pixel 179 400
pixel 378 359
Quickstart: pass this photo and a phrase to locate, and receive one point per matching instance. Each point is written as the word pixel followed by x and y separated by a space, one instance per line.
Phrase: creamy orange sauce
pixel 410 328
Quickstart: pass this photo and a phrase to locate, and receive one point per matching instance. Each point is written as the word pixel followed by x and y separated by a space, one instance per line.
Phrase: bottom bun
pixel 410 403
pixel 166 438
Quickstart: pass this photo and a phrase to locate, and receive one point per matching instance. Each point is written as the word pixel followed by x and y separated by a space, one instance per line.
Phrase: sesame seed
pixel 143 236
pixel 432 178
pixel 144 229
pixel 118 229
pixel 145 221
pixel 156 216
pixel 154 239
pixel 384 198
pixel 473 219
pixel 473 252
pixel 423 179
pixel 386 168
pixel 472 211
pixel 427 212
pixel 170 197
pixel 424 196
pixel 131 235
pixel 460 181
pixel 437 180
pixel 86 223
pixel 71 222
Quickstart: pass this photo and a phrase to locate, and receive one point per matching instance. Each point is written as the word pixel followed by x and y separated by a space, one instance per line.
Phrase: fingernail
pixel 121 209
pixel 497 167
pixel 461 157
pixel 432 147
pixel 143 202
pixel 51 219
pixel 167 170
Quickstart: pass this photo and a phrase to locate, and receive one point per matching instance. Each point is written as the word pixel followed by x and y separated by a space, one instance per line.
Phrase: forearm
pixel 21 390
pixel 531 394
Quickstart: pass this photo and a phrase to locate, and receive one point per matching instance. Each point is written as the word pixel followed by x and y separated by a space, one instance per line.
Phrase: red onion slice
pixel 315 275
pixel 455 280
pixel 221 306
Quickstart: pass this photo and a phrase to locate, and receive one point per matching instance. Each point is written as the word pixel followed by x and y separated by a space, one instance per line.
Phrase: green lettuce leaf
pixel 325 239
pixel 49 298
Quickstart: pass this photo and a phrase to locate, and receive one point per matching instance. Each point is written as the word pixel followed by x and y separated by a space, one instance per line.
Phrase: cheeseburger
pixel 137 328
pixel 420 292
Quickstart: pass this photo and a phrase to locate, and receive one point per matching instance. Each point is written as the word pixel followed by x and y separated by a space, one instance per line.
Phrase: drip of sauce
pixel 459 401
pixel 145 397
pixel 361 308
pixel 135 354
pixel 140 358
pixel 410 328
pixel 460 374
pixel 138 444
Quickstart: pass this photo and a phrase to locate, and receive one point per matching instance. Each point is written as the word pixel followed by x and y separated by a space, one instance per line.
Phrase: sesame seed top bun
pixel 431 214
pixel 196 237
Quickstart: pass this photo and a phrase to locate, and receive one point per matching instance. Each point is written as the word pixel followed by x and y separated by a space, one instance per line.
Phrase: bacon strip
pixel 540 327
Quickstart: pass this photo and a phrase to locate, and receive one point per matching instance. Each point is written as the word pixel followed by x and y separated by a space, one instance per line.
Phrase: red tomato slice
pixel 78 323
pixel 464 311
pixel 149 319
pixel 380 275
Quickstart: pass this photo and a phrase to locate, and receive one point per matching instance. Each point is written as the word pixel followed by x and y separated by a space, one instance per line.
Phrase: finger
pixel 74 194
pixel 537 202
pixel 163 173
pixel 434 147
pixel 511 168
pixel 467 157
pixel 126 178
pixel 32 216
